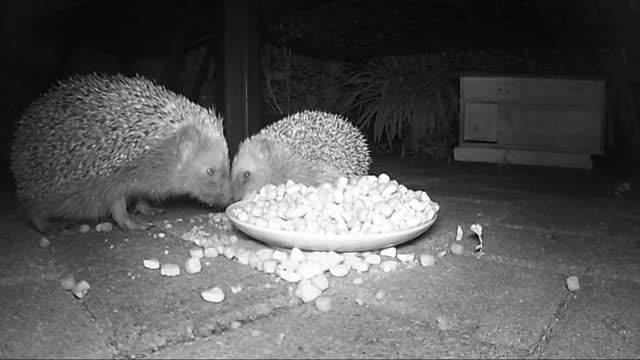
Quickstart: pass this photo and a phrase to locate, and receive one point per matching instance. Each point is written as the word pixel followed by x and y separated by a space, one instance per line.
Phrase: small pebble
pixel 573 284
pixel 84 228
pixel 68 282
pixel 390 252
pixel 357 281
pixel 168 226
pixel 214 295
pixel 80 289
pixel 255 333
pixel 162 235
pixel 152 264
pixel 427 259
pixel 323 303
pixel 193 265
pixel 380 294
pixel 170 269
pixel 457 249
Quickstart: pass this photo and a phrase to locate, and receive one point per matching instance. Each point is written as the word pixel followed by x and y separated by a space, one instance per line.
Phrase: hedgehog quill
pixel 308 147
pixel 95 144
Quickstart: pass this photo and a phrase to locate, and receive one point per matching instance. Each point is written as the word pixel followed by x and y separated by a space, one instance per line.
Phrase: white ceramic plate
pixel 323 242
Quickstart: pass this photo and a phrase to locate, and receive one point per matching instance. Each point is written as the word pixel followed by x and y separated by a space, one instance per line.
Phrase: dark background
pixel 43 41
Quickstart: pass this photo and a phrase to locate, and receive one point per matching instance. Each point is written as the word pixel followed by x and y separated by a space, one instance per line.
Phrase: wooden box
pixel 534 121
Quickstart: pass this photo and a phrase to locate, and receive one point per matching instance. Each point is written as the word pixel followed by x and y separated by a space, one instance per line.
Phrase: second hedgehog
pixel 308 147
pixel 94 143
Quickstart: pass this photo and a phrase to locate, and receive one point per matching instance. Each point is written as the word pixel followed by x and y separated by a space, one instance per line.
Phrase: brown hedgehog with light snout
pixel 95 144
pixel 309 147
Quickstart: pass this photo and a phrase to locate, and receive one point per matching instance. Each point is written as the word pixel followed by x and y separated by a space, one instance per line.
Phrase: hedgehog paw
pixel 48 227
pixel 144 208
pixel 128 223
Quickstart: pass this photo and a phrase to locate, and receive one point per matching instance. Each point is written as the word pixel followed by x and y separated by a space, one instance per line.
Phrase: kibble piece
pixel 360 266
pixel 193 265
pixel 340 270
pixel 210 252
pixel 427 260
pixel 170 269
pixel 323 303
pixel 152 264
pixel 389 265
pixel 265 253
pixel 196 252
pixel 68 282
pixel 308 269
pixel 80 289
pixel 573 283
pixel 307 291
pixel 243 257
pixel 214 295
pixel 373 259
pixel 406 257
pixel 320 281
pixel 390 252
pixel 84 228
pixel 290 276
pixel 269 266
pixel 457 249
pixel 44 242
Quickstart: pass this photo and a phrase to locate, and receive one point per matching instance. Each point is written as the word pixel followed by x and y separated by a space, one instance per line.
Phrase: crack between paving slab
pixel 538 348
pixel 219 329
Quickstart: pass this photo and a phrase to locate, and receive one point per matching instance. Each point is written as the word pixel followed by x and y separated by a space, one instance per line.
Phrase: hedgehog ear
pixel 187 141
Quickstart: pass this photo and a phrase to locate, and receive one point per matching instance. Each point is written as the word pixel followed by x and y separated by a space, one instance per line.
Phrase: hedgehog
pixel 98 145
pixel 308 147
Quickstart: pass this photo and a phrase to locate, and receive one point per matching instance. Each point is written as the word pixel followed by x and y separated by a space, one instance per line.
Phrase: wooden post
pixel 239 89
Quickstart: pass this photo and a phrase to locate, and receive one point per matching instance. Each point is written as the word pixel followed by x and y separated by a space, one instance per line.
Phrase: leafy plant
pixel 403 96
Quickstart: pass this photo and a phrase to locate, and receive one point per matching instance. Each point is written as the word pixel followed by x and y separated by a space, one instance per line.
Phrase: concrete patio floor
pixel 540 225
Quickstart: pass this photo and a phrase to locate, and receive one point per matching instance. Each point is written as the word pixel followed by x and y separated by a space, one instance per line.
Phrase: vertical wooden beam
pixel 239 89
pixel 178 46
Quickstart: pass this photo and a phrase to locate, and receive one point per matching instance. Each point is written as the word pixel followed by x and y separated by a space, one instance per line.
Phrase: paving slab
pixel 347 331
pixel 39 319
pixel 602 321
pixel 141 310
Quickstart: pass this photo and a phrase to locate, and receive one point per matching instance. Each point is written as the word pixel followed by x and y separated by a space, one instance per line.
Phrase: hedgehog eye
pixel 210 171
pixel 246 175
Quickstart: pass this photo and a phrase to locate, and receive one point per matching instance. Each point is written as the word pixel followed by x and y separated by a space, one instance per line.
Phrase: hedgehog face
pixel 248 173
pixel 208 175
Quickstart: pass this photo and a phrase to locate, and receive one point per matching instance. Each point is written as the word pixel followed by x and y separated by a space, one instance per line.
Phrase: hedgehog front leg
pixel 124 219
pixel 143 207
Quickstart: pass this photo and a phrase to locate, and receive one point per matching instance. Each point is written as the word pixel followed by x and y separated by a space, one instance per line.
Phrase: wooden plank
pixel 239 87
pixel 481 122
pixel 522 157
pixel 523 90
pixel 553 128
